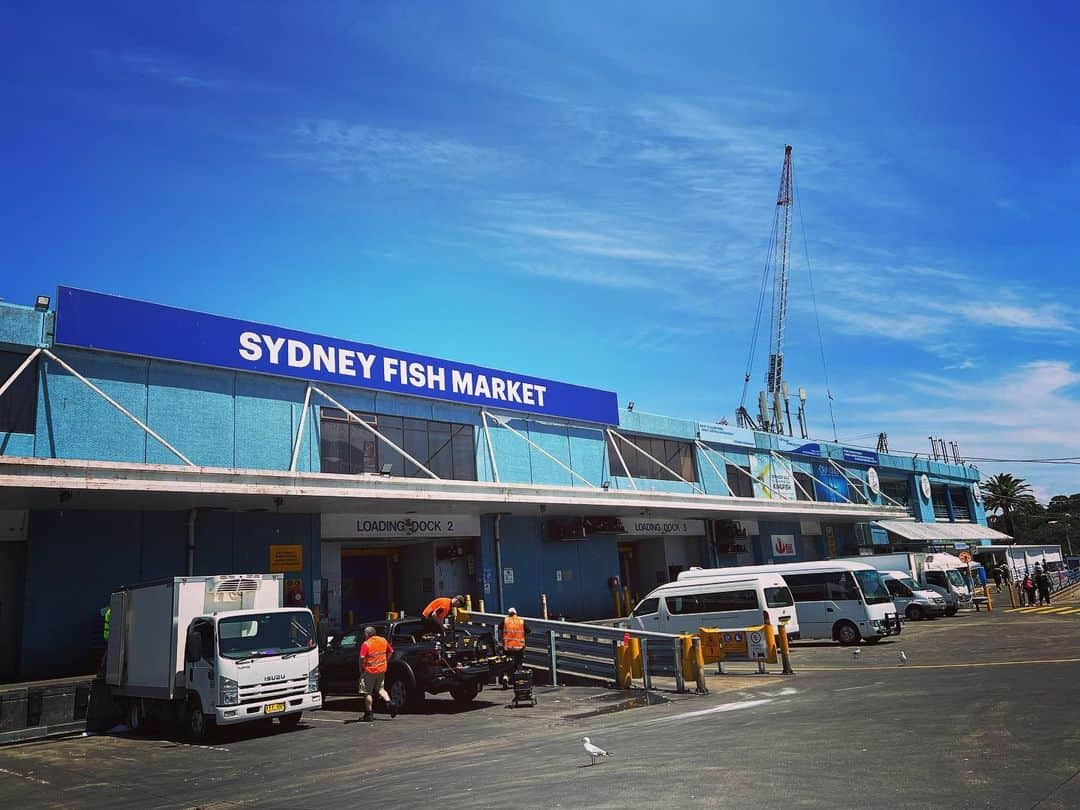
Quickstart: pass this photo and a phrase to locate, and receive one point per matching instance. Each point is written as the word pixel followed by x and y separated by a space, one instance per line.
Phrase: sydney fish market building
pixel 139 441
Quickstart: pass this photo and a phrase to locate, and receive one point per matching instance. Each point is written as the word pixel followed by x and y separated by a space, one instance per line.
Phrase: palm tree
pixel 1008 494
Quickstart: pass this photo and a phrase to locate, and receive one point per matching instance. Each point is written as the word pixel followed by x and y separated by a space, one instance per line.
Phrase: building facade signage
pixel 345 526
pixel 783 545
pixel 773 477
pixel 662 526
pixel 110 323
pixel 791 445
pixel 725 434
pixel 860 456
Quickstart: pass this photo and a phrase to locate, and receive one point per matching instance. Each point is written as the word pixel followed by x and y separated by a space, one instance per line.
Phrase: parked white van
pixel 910 598
pixel 834 599
pixel 727 603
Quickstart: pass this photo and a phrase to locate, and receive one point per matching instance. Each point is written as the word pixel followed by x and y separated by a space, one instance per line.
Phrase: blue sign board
pixel 830 486
pixel 868 457
pixel 112 324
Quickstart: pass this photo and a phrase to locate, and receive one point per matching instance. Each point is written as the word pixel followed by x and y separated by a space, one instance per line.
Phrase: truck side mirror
pixel 193 648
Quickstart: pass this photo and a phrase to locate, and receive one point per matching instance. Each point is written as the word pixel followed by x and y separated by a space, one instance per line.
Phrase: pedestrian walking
pixel 997 577
pixel 1028 587
pixel 514 631
pixel 1042 583
pixel 374 654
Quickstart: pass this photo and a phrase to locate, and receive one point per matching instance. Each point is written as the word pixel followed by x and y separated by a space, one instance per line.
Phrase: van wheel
pixel 915 613
pixel 846 633
pixel 196 724
pixel 953 610
pixel 465 693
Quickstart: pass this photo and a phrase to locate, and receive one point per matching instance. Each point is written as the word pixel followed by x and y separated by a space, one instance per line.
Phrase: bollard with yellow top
pixel 785 649
pixel 989 603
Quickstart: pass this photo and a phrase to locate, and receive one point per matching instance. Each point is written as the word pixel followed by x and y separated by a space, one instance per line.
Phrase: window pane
pixel 416 445
pixel 464 453
pixel 391 429
pixel 647 607
pixel 439 456
pixel 334 446
pixel 778 597
pixel 362 450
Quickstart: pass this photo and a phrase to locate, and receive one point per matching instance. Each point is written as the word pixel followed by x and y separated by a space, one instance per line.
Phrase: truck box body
pixel 150 622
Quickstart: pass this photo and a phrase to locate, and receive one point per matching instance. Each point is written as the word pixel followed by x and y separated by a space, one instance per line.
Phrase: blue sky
pixel 583 191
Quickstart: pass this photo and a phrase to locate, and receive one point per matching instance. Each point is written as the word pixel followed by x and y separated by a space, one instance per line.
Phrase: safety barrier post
pixel 481 604
pixel 646 677
pixel 618 603
pixel 699 666
pixel 989 604
pixel 551 656
pixel 543 606
pixel 785 650
pixel 676 649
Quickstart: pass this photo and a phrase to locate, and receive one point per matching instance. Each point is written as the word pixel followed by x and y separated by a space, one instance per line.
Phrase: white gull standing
pixel 595 752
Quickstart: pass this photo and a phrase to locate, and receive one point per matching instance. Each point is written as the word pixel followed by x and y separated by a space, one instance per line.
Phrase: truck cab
pixel 251 665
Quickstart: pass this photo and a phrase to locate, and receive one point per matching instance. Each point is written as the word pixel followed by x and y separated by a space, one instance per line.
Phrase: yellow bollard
pixel 623 665
pixel 628 600
pixel 989 604
pixel 480 603
pixel 468 602
pixel 785 650
pixel 635 657
pixel 770 644
pixel 618 603
pixel 543 606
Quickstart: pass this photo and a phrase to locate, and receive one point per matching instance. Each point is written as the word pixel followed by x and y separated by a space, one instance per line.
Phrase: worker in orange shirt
pixel 374 654
pixel 514 631
pixel 437 611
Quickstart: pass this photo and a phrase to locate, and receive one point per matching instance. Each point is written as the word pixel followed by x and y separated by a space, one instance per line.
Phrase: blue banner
pixel 113 324
pixel 836 490
pixel 868 457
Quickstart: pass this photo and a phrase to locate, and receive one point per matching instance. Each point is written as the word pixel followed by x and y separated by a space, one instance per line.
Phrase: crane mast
pixel 777 396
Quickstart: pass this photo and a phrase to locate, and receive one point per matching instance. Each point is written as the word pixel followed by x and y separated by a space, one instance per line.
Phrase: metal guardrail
pixel 591 650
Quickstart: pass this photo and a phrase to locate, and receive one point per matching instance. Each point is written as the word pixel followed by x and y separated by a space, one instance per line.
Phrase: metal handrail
pixel 576 629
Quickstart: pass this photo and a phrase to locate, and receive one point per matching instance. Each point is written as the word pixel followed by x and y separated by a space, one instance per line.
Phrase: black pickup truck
pixel 422 663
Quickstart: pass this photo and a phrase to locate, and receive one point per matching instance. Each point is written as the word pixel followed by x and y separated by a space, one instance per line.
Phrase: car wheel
pixel 290 721
pixel 915 613
pixel 465 693
pixel 952 611
pixel 196 724
pixel 402 693
pixel 846 633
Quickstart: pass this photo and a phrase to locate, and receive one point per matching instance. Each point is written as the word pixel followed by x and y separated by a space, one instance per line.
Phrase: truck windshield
pixel 266 634
pixel 909 583
pixel 956 578
pixel 874 590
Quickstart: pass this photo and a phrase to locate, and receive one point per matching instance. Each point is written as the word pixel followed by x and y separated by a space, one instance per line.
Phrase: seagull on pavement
pixel 903 658
pixel 595 752
pixel 857 652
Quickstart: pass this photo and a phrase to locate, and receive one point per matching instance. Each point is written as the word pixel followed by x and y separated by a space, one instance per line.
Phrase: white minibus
pixel 843 601
pixel 726 603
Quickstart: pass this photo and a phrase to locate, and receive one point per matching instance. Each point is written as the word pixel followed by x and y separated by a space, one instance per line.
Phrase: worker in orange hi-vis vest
pixel 375 652
pixel 437 611
pixel 514 631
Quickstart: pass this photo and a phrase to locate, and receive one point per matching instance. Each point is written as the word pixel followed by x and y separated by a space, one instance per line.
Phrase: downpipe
pixel 498 561
pixel 192 515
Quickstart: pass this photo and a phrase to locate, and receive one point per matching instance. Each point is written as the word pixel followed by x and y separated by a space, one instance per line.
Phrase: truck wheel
pixel 915 613
pixel 290 721
pixel 846 633
pixel 465 693
pixel 136 715
pixel 196 724
pixel 953 610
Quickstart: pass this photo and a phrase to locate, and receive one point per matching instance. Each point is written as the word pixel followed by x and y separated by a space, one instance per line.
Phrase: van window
pixel 835 586
pixel 647 607
pixel 778 597
pixel 937 578
pixel 897 588
pixel 712 602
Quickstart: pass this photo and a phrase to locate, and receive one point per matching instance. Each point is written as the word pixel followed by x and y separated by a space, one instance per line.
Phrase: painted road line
pixel 1069 611
pixel 1059 610
pixel 944 666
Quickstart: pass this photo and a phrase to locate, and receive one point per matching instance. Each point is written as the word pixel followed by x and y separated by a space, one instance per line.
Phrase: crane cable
pixel 813 298
pixel 760 306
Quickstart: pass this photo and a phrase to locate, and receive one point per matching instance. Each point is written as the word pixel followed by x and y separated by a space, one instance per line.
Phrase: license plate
pixel 274 708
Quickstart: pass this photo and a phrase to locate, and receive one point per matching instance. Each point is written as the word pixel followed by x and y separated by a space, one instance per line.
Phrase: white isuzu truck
pixel 213 650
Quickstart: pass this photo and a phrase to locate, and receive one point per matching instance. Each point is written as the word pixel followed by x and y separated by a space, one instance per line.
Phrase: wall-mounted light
pixel 42 303
pixel 604 486
pixel 386 470
pixel 629 406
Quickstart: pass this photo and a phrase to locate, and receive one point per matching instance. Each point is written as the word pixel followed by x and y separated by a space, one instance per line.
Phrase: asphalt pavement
pixel 982 714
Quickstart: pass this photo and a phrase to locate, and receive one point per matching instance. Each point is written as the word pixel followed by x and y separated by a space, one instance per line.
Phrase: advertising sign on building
pixel 783 545
pixel 113 324
pixel 860 456
pixel 773 477
pixel 345 526
pixel 286 559
pixel 725 434
pixel 829 485
pixel 791 445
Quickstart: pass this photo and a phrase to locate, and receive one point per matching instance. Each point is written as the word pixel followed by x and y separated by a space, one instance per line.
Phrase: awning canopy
pixel 911 530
